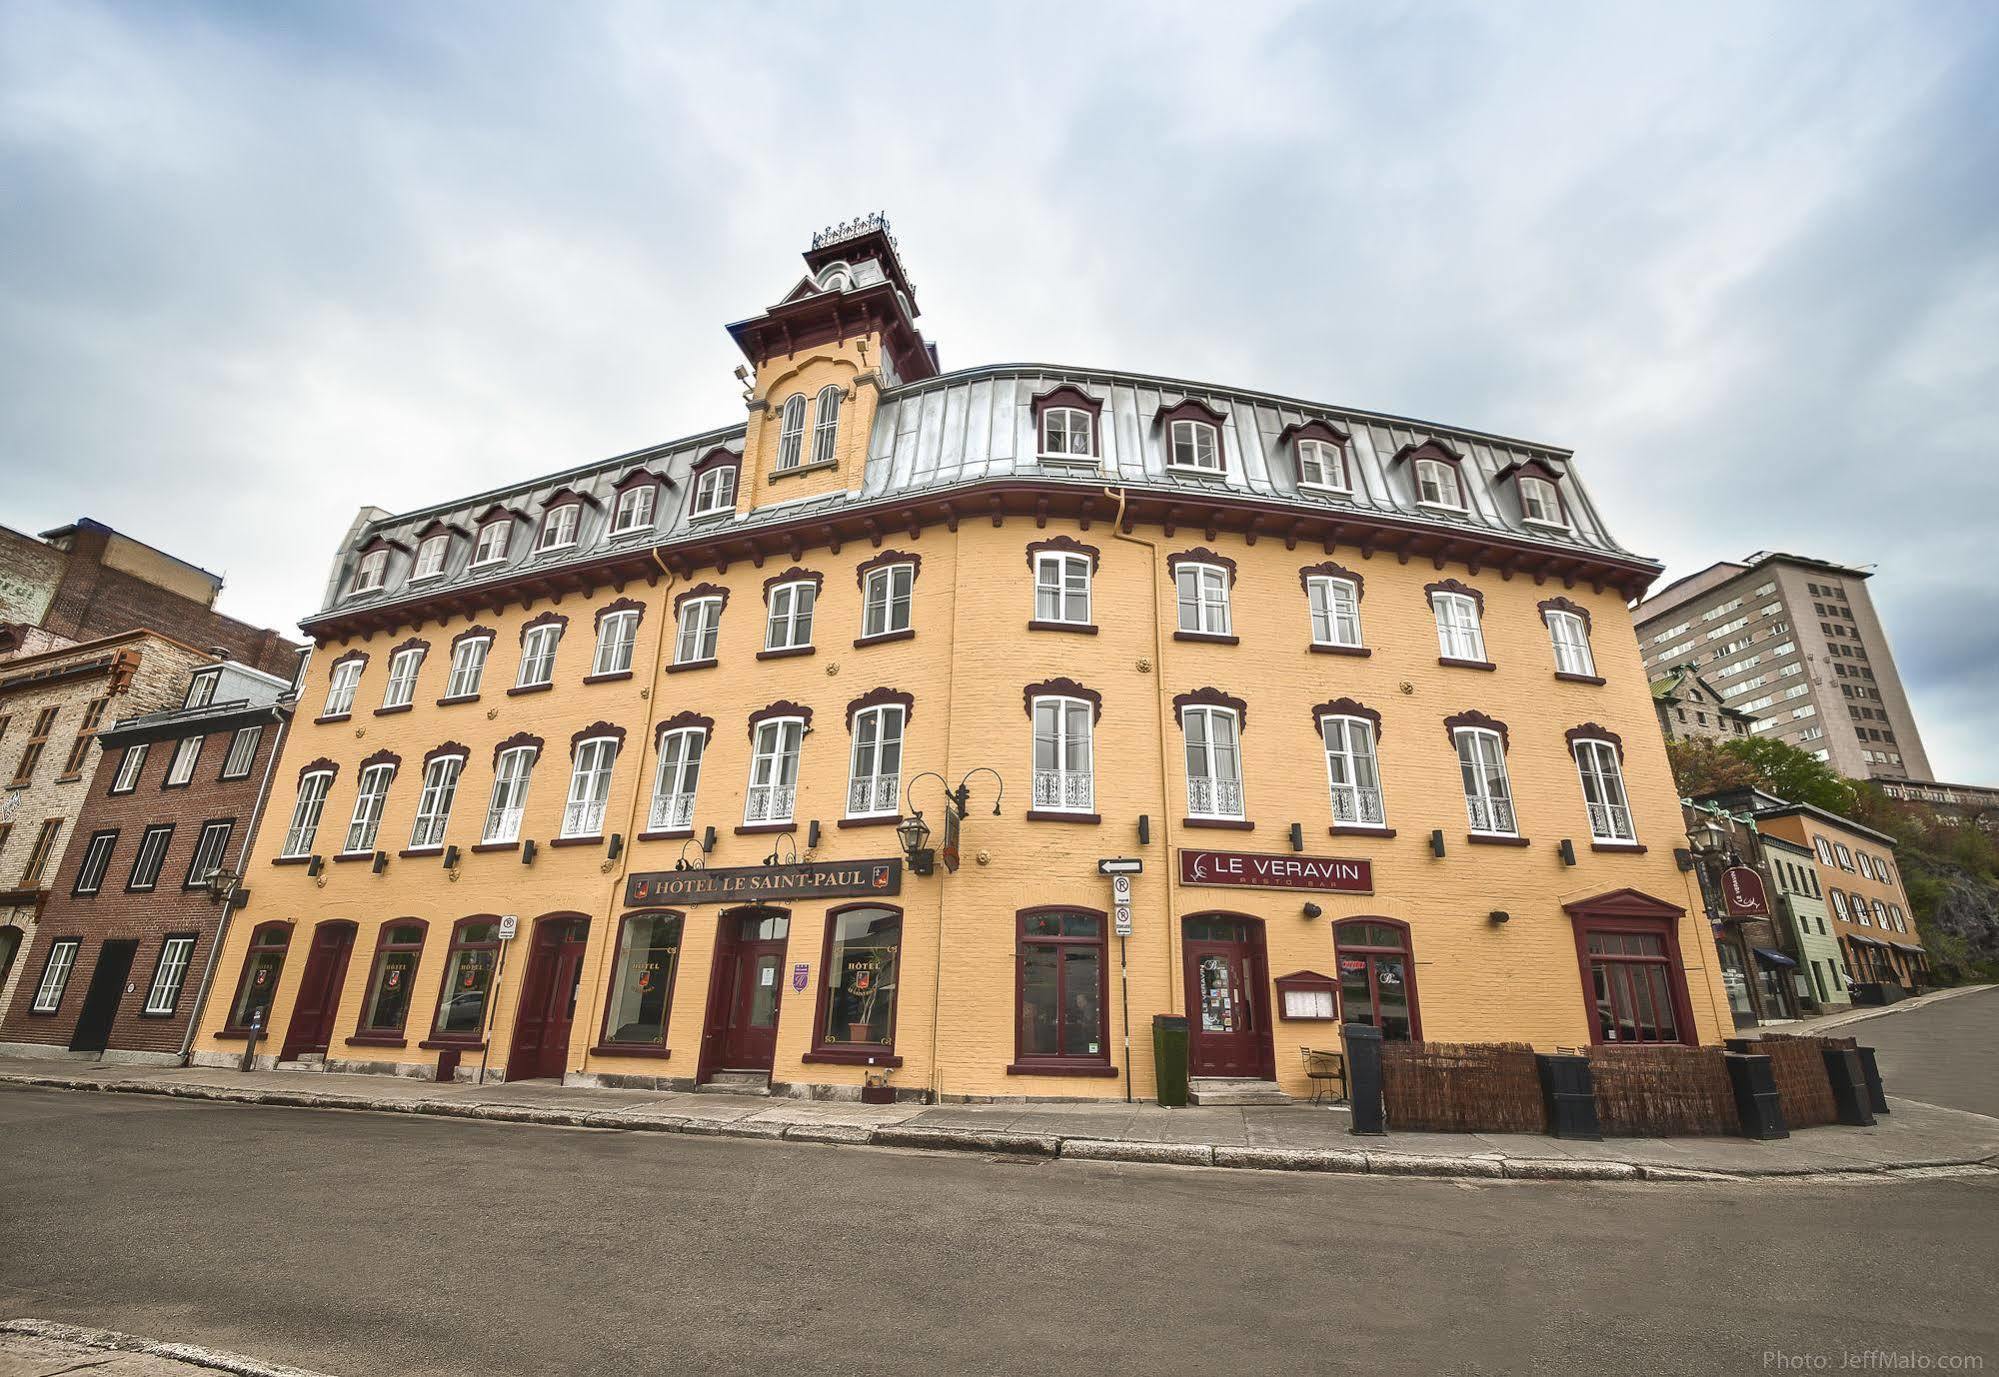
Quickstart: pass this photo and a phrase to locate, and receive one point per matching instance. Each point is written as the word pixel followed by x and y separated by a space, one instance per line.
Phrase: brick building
pixel 85 581
pixel 53 705
pixel 118 966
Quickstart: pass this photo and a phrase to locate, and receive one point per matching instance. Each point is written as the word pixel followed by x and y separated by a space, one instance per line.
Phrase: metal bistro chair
pixel 1323 1069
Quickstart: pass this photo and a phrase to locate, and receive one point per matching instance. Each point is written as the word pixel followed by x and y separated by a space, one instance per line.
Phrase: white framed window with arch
pixel 683 742
pixel 791 433
pixel 1210 728
pixel 826 422
pixel 1599 756
pixel 1481 748
pixel 1348 733
pixel 1063 715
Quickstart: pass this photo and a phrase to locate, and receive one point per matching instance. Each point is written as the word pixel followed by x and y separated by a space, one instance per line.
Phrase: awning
pixel 1772 958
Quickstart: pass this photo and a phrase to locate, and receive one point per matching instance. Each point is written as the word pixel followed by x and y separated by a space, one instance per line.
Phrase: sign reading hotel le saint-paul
pixel 1251 870
pixel 752 883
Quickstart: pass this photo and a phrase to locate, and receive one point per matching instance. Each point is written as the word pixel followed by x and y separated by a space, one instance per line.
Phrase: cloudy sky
pixel 260 265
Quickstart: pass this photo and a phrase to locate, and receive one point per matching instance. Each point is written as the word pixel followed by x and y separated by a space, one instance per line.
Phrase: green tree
pixel 1705 767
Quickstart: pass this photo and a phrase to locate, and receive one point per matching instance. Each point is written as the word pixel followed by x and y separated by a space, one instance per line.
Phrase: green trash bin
pixel 1169 1059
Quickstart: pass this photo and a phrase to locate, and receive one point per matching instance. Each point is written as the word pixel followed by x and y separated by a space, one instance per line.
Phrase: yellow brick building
pixel 1360 693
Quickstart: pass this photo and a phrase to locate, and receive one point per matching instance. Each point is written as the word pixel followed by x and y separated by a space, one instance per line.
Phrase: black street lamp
pixel 914 834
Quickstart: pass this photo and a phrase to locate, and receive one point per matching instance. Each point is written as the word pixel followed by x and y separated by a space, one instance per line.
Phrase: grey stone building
pixel 1688 706
pixel 1795 642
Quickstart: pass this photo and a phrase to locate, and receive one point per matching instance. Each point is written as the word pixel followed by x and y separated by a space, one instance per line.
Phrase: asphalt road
pixel 359 1244
pixel 1945 1053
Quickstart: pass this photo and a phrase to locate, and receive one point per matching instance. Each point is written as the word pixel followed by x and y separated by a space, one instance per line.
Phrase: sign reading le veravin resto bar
pixel 752 883
pixel 1254 871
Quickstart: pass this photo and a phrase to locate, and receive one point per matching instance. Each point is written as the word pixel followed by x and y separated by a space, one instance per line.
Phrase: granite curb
pixel 1358 1160
pixel 192 1356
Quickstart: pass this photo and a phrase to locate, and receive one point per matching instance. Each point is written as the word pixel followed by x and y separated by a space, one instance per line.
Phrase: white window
pixel 1195 445
pixel 590 787
pixel 1066 433
pixel 1488 796
pixel 201 688
pixel 634 509
pixel 538 655
pixel 1881 914
pixel 1571 641
pixel 1540 503
pixel 492 545
pixel 96 860
pixel 372 572
pixel 187 751
pixel 128 769
pixel 559 526
pixel 1839 905
pixel 511 774
pixel 715 491
pixel 790 625
pixel 368 801
pixel 55 978
pixel 700 625
pixel 874 784
pixel 616 635
pixel 1204 598
pixel 1064 773
pixel 1437 485
pixel 433 807
pixel 1824 850
pixel 169 975
pixel 678 779
pixel 885 600
pixel 791 433
pixel 825 424
pixel 468 666
pixel 1603 792
pixel 1845 856
pixel 1321 465
pixel 401 690
pixel 1352 772
pixel 1214 762
pixel 340 686
pixel 430 557
pixel 1459 636
pixel 1335 611
pixel 208 849
pixel 774 771
pixel 152 855
pixel 1062 588
pixel 305 813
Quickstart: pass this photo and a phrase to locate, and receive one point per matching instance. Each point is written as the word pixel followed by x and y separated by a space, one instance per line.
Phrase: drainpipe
pixel 598 990
pixel 1165 786
pixel 937 981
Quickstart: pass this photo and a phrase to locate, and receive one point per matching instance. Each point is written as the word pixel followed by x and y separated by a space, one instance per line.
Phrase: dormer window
pixel 372 572
pixel 494 536
pixel 1437 485
pixel 1540 503
pixel 1065 424
pixel 1321 454
pixel 635 509
pixel 559 526
pixel 714 485
pixel 201 688
pixel 430 557
pixel 1193 437
pixel 791 433
pixel 825 423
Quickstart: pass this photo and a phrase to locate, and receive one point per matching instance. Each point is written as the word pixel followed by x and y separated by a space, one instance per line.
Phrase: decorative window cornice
pixel 1192 409
pixel 444 749
pixel 1346 707
pixel 385 757
pixel 1063 688
pixel 880 698
pixel 1474 720
pixel 413 643
pixel 1590 731
pixel 1064 545
pixel 1430 590
pixel 1065 395
pixel 1534 467
pixel 1314 429
pixel 701 590
pixel 596 731
pixel 382 542
pixel 784 707
pixel 321 766
pixel 500 510
pixel 474 633
pixel 639 477
pixel 439 526
pixel 1432 448
pixel 621 605
pixel 1211 697
pixel 1200 555
pixel 1326 569
pixel 683 721
pixel 718 457
pixel 795 575
pixel 1565 605
pixel 545 619
pixel 566 496
pixel 351 657
pixel 887 559
pixel 518 741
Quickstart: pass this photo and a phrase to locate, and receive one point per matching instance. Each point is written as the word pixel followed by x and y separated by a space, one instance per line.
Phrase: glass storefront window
pixel 396 955
pixel 863 951
pixel 261 969
pixel 647 959
pixel 1061 988
pixel 1735 979
pixel 468 978
pixel 1377 977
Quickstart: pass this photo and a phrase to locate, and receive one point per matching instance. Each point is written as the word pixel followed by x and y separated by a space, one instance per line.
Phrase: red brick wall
pixel 150 917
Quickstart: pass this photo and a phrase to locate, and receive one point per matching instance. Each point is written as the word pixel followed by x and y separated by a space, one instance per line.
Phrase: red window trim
pixel 1407 951
pixel 1042 1063
pixel 1307 980
pixel 382 948
pixel 440 1039
pixel 229 1024
pixel 606 1047
pixel 863 1053
pixel 1629 910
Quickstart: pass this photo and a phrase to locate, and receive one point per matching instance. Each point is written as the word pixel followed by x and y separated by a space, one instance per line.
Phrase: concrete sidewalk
pixel 37 1348
pixel 1826 1023
pixel 1915 1137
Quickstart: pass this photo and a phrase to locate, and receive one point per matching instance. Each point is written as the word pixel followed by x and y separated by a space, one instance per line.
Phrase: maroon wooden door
pixel 319 990
pixel 748 990
pixel 548 999
pixel 1228 1010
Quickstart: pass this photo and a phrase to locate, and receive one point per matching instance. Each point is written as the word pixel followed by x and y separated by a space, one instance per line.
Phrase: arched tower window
pixel 825 423
pixel 791 433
